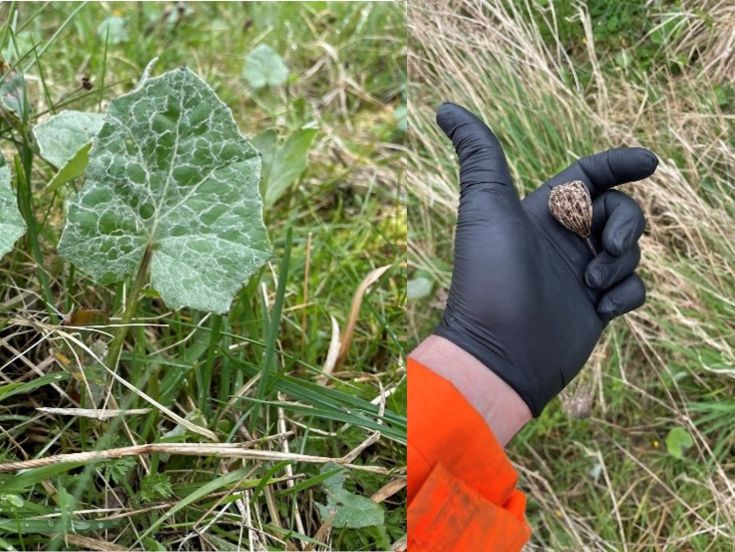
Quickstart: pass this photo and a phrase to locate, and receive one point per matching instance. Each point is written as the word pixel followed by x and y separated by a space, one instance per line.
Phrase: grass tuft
pixel 173 453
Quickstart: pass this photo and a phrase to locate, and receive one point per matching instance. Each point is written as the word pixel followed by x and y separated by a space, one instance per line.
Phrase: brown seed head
pixel 571 205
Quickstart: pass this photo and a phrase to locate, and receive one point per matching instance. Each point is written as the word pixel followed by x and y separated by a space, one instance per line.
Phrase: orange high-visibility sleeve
pixel 461 485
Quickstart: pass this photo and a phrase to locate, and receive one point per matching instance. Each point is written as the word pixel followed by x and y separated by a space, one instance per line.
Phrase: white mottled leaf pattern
pixel 12 225
pixel 64 141
pixel 63 135
pixel 170 170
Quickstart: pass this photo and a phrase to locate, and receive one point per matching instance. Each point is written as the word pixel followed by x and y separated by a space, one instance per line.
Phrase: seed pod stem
pixel 592 247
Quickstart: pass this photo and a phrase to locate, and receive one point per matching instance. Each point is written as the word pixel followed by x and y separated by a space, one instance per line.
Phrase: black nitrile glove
pixel 528 298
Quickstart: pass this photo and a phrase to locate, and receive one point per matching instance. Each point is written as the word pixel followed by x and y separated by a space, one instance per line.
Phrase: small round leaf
pixel 264 67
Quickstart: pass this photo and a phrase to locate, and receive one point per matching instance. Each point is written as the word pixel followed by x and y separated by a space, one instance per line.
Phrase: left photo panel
pixel 203 276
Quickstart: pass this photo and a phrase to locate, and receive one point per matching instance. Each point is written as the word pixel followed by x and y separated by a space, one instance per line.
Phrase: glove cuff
pixel 522 381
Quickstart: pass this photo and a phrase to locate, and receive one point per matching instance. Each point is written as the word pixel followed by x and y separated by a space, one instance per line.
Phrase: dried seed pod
pixel 571 205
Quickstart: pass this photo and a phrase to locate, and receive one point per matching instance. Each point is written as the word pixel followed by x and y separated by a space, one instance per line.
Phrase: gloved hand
pixel 528 298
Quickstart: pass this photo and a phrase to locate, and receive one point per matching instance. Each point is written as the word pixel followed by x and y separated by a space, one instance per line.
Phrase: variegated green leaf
pixel 64 141
pixel 169 171
pixel 60 137
pixel 12 225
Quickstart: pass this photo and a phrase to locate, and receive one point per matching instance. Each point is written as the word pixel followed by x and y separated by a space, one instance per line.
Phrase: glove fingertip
pixel 635 163
pixel 649 161
pixel 445 105
pixel 445 115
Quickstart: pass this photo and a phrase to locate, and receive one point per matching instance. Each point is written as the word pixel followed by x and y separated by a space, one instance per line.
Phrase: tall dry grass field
pixel 555 83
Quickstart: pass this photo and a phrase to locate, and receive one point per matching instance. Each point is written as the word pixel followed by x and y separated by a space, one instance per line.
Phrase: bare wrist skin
pixel 499 405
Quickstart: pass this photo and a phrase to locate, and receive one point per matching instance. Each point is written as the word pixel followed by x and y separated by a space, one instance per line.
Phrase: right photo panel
pixel 571 292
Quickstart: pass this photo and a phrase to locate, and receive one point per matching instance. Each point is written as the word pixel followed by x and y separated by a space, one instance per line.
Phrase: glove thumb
pixel 481 158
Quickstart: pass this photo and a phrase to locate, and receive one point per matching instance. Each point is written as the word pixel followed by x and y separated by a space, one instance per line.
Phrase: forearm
pixel 498 404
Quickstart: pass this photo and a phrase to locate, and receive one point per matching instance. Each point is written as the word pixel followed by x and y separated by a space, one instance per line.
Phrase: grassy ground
pixel 558 80
pixel 347 217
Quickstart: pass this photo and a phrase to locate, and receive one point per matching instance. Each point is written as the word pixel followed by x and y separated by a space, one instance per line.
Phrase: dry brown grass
pixel 709 37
